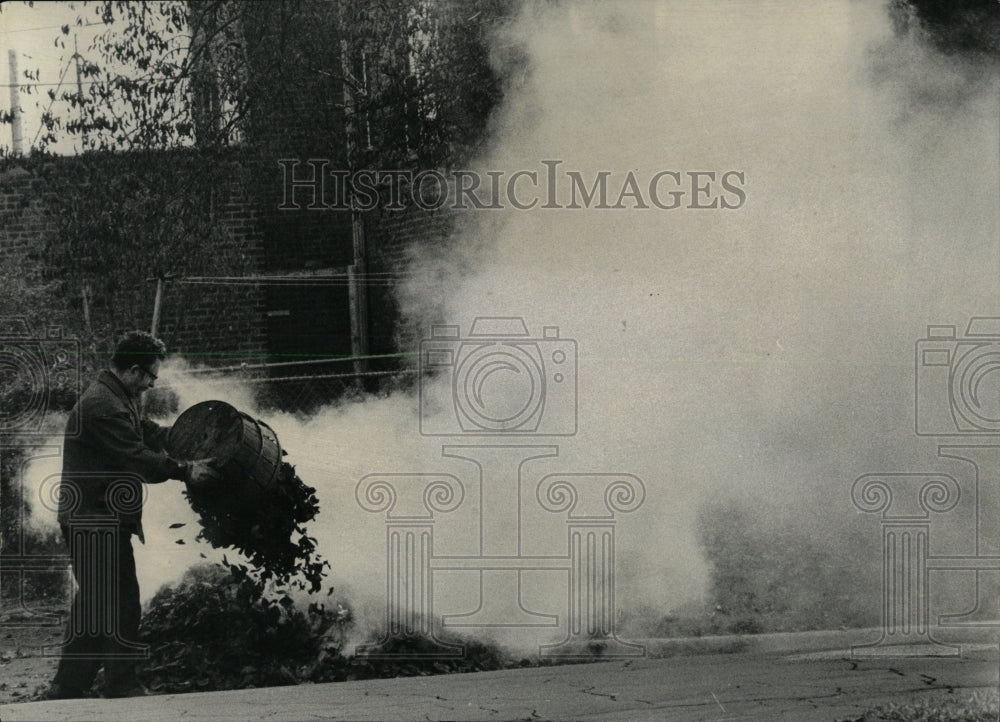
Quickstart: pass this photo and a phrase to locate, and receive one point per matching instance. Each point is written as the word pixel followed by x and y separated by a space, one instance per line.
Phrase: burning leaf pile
pixel 216 631
pixel 261 527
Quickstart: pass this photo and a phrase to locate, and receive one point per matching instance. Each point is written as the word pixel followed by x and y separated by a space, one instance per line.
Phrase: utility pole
pixel 161 280
pixel 17 140
pixel 79 91
pixel 357 272
pixel 85 296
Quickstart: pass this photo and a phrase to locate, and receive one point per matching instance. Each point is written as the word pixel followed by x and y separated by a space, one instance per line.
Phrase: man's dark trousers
pixel 104 619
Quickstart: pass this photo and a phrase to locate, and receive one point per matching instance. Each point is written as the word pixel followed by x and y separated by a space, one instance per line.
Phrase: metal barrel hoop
pixel 217 429
pixel 260 454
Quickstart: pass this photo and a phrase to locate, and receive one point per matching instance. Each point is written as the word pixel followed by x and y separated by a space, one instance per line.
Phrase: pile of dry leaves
pixel 213 631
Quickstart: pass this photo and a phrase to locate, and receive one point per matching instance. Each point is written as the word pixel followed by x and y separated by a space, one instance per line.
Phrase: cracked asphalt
pixel 811 686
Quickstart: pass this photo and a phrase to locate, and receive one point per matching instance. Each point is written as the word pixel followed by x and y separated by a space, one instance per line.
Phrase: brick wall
pixel 221 323
pixel 216 324
pixel 390 237
pixel 218 321
pixel 23 217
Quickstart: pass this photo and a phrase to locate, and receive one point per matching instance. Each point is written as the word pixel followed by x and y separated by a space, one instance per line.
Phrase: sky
pixel 34 34
pixel 763 355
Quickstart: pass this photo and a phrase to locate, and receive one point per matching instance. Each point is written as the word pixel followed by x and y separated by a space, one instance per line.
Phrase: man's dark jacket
pixel 114 453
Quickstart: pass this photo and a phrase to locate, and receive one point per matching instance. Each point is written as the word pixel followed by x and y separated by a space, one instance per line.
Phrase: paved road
pixel 810 686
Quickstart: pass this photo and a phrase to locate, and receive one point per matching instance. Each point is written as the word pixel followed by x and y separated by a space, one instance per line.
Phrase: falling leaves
pixel 264 528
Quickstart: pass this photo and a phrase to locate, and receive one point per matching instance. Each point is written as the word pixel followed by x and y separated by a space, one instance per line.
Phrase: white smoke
pixel 763 353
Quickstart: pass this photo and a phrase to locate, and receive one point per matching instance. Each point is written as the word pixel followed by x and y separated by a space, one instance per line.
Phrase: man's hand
pixel 202 473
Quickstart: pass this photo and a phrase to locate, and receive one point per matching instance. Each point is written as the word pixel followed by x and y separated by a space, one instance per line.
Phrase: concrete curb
pixel 799 642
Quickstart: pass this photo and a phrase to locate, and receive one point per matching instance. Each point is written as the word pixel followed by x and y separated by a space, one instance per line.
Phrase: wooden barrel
pixel 246 450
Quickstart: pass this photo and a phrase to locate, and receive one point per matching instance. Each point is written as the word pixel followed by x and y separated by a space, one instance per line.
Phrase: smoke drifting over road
pixel 759 356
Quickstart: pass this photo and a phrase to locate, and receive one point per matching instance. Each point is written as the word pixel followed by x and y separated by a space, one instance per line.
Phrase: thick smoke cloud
pixel 762 354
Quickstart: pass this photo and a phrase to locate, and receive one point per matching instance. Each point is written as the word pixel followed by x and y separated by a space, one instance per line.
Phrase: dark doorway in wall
pixel 308 342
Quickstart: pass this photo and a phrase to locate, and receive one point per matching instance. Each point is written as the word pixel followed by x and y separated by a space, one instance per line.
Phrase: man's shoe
pixel 137 691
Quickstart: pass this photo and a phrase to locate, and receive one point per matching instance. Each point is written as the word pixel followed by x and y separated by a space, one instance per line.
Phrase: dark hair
pixel 138 347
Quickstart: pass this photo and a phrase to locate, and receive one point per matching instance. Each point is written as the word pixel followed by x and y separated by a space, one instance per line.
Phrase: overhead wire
pixel 52 99
pixel 48 27
pixel 338 279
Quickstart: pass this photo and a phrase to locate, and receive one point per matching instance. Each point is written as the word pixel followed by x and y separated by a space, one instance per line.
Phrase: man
pixel 100 508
